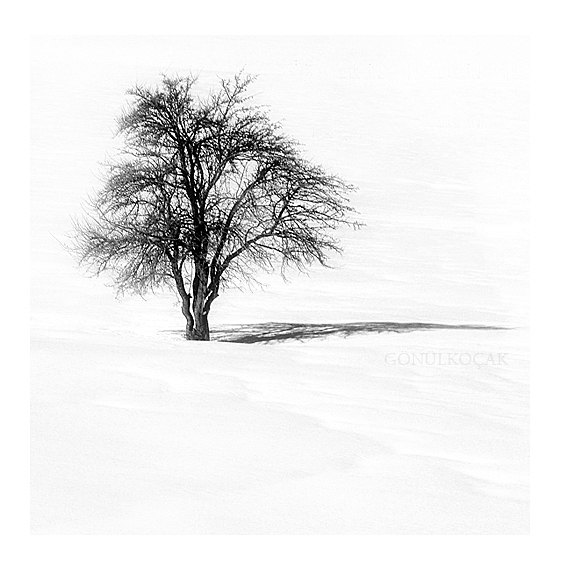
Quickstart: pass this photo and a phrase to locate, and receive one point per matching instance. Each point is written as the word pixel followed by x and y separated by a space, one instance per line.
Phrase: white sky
pixel 434 131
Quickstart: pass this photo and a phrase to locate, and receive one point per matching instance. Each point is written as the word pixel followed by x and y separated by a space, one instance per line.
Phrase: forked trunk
pixel 197 326
pixel 201 328
pixel 195 308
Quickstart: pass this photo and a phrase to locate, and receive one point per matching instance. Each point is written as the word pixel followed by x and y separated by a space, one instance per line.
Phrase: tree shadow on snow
pixel 279 332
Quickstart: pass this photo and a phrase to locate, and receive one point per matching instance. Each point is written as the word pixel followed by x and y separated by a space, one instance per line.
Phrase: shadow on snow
pixel 278 332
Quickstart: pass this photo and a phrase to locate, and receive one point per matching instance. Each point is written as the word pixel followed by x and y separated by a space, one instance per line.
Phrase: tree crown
pixel 207 189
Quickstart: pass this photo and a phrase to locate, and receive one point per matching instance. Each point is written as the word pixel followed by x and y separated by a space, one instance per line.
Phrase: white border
pixel 546 24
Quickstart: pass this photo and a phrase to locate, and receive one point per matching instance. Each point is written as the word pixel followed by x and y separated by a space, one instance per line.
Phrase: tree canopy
pixel 207 190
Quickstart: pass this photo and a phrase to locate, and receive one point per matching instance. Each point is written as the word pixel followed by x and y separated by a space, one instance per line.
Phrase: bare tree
pixel 206 190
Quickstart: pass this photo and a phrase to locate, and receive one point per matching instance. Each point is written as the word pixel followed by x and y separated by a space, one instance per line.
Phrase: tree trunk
pixel 197 326
pixel 188 316
pixel 201 328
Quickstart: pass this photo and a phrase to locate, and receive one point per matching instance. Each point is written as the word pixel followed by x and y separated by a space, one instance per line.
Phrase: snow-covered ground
pixel 147 434
pixel 347 428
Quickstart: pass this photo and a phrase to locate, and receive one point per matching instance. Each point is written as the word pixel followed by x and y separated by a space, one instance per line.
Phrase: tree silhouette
pixel 206 190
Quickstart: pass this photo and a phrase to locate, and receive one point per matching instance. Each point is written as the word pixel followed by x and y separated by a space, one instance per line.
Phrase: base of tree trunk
pixel 198 335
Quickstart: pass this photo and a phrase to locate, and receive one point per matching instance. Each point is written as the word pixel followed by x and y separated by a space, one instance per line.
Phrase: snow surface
pixel 338 429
